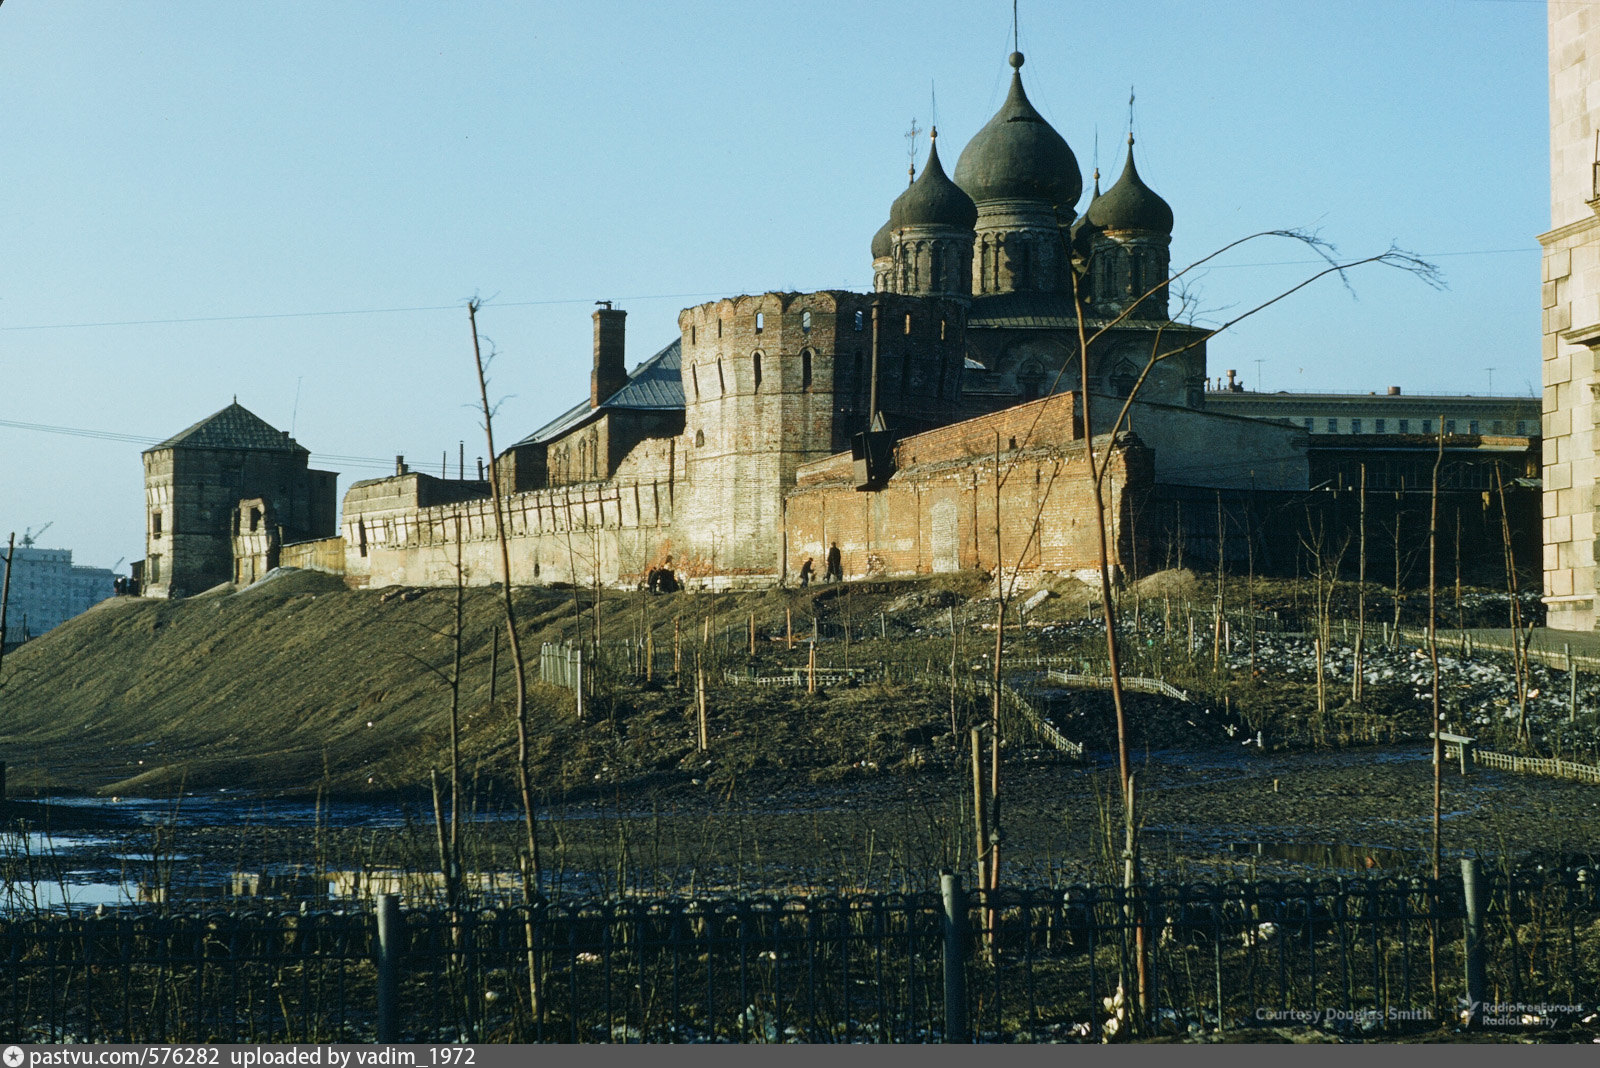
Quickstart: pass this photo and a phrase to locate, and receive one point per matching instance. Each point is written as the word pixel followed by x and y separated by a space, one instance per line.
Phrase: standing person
pixel 805 573
pixel 835 563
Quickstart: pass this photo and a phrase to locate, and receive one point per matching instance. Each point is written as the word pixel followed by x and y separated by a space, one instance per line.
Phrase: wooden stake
pixel 752 634
pixel 811 669
pixel 979 815
pixel 700 703
pixel 788 627
pixel 649 658
pixel 677 647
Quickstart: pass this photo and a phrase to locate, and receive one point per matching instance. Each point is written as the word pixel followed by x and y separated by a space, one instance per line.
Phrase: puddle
pixel 1337 856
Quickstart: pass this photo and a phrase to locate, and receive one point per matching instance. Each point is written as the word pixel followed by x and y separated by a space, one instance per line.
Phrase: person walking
pixel 835 563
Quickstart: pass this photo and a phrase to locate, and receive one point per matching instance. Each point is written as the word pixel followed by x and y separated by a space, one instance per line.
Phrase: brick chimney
pixel 610 366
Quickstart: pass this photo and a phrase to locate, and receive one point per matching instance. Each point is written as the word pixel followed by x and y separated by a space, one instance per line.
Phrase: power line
pixel 331 313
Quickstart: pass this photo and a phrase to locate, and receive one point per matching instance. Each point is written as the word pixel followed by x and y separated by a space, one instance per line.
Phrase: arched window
pixel 755 364
pixel 699 438
pixel 805 368
pixel 805 322
pixel 861 318
pixel 761 321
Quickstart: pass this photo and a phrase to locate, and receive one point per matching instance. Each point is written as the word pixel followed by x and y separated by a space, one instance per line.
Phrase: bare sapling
pixel 1433 642
pixel 530 868
pixel 1358 667
pixel 1519 650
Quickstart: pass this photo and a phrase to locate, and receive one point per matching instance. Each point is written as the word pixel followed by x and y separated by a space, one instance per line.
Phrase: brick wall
pixel 938 512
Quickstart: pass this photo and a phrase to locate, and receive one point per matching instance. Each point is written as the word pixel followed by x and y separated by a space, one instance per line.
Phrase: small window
pixel 1380 426
pixel 761 321
pixel 861 319
pixel 155 524
pixel 1355 426
pixel 1427 426
pixel 699 438
pixel 719 327
pixel 1472 427
pixel 694 375
pixel 805 322
pixel 755 363
pixel 1522 427
pixel 1494 427
pixel 1449 426
pixel 1405 426
pixel 1308 421
pixel 805 368
pixel 1011 443
pixel 1333 426
pixel 691 341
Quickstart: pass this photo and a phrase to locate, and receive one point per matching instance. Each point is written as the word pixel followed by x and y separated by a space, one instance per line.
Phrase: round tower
pixel 1025 183
pixel 1129 230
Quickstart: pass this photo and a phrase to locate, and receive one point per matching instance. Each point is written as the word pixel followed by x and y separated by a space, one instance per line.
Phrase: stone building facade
pixel 1571 301
pixel 194 483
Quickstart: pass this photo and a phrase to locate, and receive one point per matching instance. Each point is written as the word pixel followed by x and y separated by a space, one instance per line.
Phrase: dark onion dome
pixel 1082 231
pixel 934 200
pixel 1019 156
pixel 883 241
pixel 1130 204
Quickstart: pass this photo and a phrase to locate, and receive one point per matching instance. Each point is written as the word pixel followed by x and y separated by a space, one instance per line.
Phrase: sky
pixel 291 203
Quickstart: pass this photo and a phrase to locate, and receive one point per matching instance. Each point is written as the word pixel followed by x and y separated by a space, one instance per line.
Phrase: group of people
pixel 835 562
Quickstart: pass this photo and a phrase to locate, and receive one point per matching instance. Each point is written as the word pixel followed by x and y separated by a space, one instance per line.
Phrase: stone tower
pixel 777 380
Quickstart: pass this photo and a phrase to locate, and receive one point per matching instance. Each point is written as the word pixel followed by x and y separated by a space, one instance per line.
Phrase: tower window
pixel 805 368
pixel 861 319
pixel 694 375
pixel 722 383
pixel 155 524
pixel 761 321
pixel 691 335
pixel 719 327
pixel 699 438
pixel 755 363
pixel 805 322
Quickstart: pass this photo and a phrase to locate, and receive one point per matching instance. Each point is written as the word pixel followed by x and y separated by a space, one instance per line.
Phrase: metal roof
pixel 655 385
pixel 234 427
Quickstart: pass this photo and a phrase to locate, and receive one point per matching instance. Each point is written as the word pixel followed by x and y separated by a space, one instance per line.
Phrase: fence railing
pixel 1365 955
pixel 1560 769
pixel 1131 683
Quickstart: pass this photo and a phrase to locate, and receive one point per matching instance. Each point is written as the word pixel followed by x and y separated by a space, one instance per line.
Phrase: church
pixel 942 421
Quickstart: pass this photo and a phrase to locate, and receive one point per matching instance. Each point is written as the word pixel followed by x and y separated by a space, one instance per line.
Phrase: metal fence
pixel 1367 955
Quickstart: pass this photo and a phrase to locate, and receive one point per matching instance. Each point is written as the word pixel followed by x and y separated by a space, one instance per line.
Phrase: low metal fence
pixel 1364 955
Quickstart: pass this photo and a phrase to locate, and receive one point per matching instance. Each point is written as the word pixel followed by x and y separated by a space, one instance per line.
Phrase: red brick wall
pixel 938 512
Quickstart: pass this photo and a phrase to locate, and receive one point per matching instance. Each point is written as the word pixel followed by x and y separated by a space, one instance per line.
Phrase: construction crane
pixel 28 536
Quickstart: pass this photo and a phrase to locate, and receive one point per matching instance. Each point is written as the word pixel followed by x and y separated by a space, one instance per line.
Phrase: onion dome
pixel 883 241
pixel 934 200
pixel 1019 156
pixel 1130 204
pixel 1083 231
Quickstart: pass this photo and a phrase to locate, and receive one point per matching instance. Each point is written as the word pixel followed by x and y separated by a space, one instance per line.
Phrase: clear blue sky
pixel 209 173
